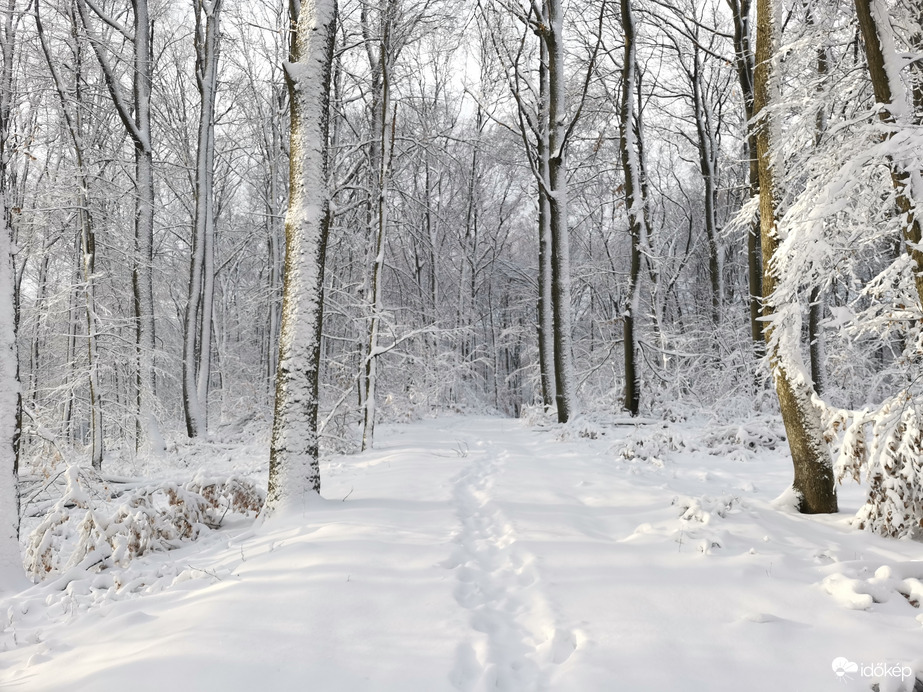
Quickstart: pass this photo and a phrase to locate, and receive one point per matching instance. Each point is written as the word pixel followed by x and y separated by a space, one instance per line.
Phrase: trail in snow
pixel 480 554
pixel 499 585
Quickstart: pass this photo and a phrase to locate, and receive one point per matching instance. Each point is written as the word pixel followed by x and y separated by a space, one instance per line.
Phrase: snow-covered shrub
pixel 751 435
pixel 886 448
pixel 157 517
pixel 651 445
pixel 580 428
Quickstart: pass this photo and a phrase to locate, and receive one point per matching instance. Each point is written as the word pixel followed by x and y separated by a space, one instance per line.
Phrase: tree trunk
pixel 740 12
pixel 197 321
pixel 545 268
pixel 294 472
pixel 890 91
pixel 814 481
pixel 143 270
pixel 380 161
pixel 10 398
pixel 564 377
pixel 634 202
pixel 135 115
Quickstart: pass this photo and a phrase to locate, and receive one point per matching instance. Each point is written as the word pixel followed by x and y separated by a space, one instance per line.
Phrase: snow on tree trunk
pixel 197 321
pixel 135 115
pixel 740 12
pixel 380 170
pixel 564 376
pixel 634 201
pixel 293 463
pixel 11 570
pixel 143 271
pixel 896 110
pixel 814 478
pixel 545 270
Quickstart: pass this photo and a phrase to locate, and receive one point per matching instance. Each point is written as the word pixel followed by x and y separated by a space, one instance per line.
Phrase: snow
pixel 482 554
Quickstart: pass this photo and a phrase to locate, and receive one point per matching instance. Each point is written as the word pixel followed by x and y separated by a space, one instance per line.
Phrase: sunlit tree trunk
pixel 814 481
pixel 293 462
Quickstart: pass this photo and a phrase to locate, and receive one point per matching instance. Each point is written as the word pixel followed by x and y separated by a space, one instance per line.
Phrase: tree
pixel 743 58
pixel 10 399
pixel 630 152
pixel 74 122
pixel 293 462
pixel 135 115
pixel 896 113
pixel 814 481
pixel 197 332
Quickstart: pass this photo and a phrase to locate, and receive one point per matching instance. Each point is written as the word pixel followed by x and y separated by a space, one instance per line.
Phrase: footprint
pixel 467 668
pixel 563 645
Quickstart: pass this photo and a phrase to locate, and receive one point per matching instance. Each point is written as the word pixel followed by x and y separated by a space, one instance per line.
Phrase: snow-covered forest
pixel 288 273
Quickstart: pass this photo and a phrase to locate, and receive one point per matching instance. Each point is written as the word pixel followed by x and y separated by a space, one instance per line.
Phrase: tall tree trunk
pixel 813 482
pixel 197 321
pixel 634 203
pixel 564 376
pixel 10 398
pixel 135 115
pixel 883 66
pixel 143 270
pixel 740 13
pixel 816 307
pixel 545 268
pixel 708 170
pixel 294 472
pixel 381 159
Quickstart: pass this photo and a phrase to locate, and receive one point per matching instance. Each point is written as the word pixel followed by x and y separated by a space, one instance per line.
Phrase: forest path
pixel 499 583
pixel 481 554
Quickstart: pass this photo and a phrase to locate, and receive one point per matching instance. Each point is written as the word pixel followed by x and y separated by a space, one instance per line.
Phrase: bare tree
pixel 135 115
pixel 293 462
pixel 74 121
pixel 630 152
pixel 197 332
pixel 10 399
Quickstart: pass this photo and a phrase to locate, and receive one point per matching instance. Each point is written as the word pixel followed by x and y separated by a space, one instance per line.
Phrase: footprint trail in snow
pixel 515 639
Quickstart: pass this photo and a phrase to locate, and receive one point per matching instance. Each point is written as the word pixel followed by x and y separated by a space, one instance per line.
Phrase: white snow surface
pixel 482 554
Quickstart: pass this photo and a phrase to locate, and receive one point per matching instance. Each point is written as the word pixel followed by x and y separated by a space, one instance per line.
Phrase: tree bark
pixel 135 116
pixel 545 267
pixel 10 397
pixel 890 92
pixel 197 322
pixel 294 472
pixel 814 481
pixel 564 377
pixel 740 13
pixel 634 202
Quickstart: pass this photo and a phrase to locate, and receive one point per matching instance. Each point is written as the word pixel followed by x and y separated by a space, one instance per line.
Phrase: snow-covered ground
pixel 481 554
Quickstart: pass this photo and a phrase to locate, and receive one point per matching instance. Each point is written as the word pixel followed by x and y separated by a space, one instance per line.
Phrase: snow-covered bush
pixel 886 448
pixel 650 445
pixel 80 533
